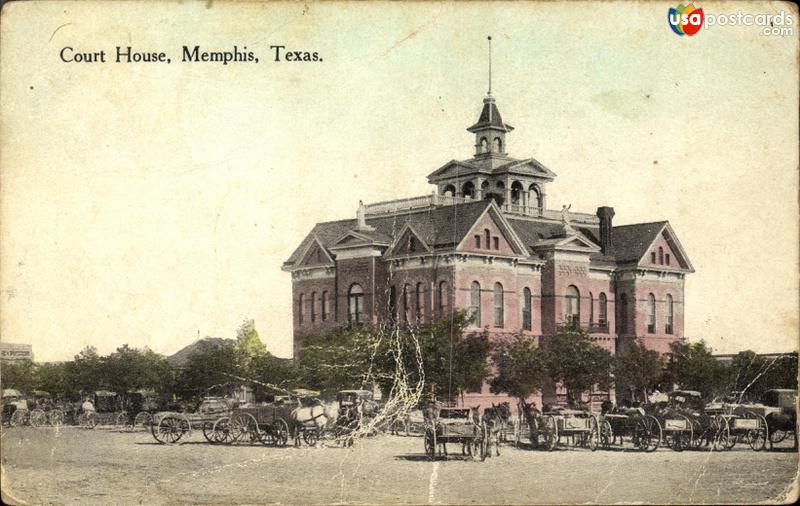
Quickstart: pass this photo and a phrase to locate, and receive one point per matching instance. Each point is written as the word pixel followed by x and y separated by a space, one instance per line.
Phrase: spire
pixel 490 130
pixel 490 65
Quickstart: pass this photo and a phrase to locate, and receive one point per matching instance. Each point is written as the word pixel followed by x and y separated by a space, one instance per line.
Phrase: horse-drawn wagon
pixel 581 426
pixel 169 427
pixel 686 424
pixel 266 423
pixel 643 430
pixel 454 425
pixel 770 420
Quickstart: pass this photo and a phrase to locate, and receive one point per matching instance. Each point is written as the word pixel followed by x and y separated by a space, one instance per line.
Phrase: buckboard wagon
pixel 580 426
pixel 455 425
pixel 267 424
pixel 644 431
pixel 170 427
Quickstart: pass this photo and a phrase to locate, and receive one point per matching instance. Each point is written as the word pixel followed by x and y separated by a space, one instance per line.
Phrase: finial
pixel 490 64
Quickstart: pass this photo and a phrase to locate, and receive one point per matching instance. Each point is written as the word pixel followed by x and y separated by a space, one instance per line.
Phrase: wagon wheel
pixel 606 434
pixel 221 430
pixel 430 443
pixel 651 436
pixel 757 438
pixel 594 434
pixel 681 440
pixel 280 432
pixel 55 418
pixel 121 420
pixel 37 418
pixel 550 429
pixel 19 417
pixel 208 432
pixel 311 436
pixel 699 434
pixel 776 436
pixel 170 429
pixel 143 419
pixel 244 428
pixel 722 434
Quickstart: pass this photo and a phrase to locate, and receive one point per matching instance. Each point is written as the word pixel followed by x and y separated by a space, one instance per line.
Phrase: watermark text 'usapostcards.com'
pixel 688 19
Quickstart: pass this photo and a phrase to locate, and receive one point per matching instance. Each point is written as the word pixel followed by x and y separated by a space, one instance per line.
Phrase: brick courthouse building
pixel 485 242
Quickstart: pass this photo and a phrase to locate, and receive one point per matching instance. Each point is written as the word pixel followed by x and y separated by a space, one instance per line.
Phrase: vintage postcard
pixel 420 252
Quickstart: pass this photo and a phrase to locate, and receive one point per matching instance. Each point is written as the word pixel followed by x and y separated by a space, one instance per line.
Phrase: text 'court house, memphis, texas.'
pixel 484 242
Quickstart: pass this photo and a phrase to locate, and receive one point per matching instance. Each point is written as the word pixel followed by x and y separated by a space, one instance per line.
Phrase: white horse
pixel 311 421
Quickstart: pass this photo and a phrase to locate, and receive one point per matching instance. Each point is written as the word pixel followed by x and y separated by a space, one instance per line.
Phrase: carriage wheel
pixel 37 418
pixel 244 428
pixel 722 433
pixel 757 438
pixel 776 436
pixel 550 429
pixel 121 420
pixel 221 431
pixel 311 436
pixel 170 429
pixel 651 435
pixel 208 432
pixel 143 419
pixel 430 443
pixel 55 418
pixel 19 417
pixel 280 432
pixel 606 434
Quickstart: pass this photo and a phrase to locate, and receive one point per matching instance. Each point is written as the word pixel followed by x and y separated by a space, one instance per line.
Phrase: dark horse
pixel 530 415
pixel 496 419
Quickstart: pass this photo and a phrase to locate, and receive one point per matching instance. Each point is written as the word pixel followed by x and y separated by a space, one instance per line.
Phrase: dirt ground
pixel 73 465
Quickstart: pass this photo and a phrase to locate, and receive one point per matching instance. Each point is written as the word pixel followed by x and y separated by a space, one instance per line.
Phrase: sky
pixel 148 204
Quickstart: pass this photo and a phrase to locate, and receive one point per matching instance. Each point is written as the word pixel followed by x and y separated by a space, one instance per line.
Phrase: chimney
pixel 606 214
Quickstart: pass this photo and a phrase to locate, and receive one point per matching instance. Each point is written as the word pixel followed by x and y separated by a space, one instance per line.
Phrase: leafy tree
pixel 639 370
pixel 751 375
pixel 521 367
pixel 577 363
pixel 248 347
pixel 20 375
pixel 692 366
pixel 129 369
pixel 209 367
pixel 86 372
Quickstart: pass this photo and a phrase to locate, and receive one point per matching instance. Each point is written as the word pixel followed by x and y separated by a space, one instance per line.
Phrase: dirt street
pixel 72 465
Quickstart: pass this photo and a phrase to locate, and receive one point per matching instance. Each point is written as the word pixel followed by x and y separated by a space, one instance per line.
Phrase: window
pixel 444 299
pixel 300 301
pixel 468 190
pixel 319 255
pixel 484 145
pixel 325 308
pixel 622 315
pixel 406 305
pixel 591 308
pixel 478 241
pixel 488 236
pixel 526 309
pixel 449 191
pixel 313 307
pixel 419 300
pixel 412 244
pixel 355 300
pixel 498 145
pixel 661 255
pixel 603 313
pixel 475 304
pixel 669 312
pixel 572 307
pixel 652 257
pixel 393 303
pixel 499 316
pixel 667 258
pixel 496 243
pixel 651 314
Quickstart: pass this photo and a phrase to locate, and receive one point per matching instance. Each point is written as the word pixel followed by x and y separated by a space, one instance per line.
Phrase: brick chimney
pixel 606 214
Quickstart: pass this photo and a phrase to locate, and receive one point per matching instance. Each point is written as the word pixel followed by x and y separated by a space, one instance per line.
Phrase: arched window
pixel 478 241
pixel 499 315
pixel 652 257
pixel 516 192
pixel 488 236
pixel 313 307
pixel 591 308
pixel 419 302
pixel 500 185
pixel 406 305
pixel 468 190
pixel 412 244
pixel 496 242
pixel 661 255
pixel 475 304
pixel 444 299
pixel 669 312
pixel 355 304
pixel 497 145
pixel 301 300
pixel 449 191
pixel 526 309
pixel 572 307
pixel 667 258
pixel 393 303
pixel 651 313
pixel 535 196
pixel 325 309
pixel 484 145
pixel 622 314
pixel 602 318
pixel 485 187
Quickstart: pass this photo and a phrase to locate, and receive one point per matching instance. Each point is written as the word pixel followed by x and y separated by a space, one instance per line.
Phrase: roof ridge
pixel 639 224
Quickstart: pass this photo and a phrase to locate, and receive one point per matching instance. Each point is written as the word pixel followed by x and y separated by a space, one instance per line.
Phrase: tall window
pixel 572 306
pixel 622 314
pixel 499 315
pixel 667 258
pixel 300 302
pixel 478 241
pixel 669 313
pixel 355 304
pixel 406 305
pixel 651 313
pixel 603 313
pixel 444 299
pixel 313 307
pixel 591 308
pixel 653 257
pixel 412 244
pixel 488 236
pixel 661 255
pixel 325 308
pixel 475 304
pixel 419 300
pixel 393 303
pixel 496 243
pixel 526 309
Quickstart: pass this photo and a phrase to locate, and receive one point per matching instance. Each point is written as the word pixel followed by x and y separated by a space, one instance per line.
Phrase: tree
pixel 577 363
pixel 20 375
pixel 691 366
pixel 129 369
pixel 639 370
pixel 210 366
pixel 86 372
pixel 751 375
pixel 521 367
pixel 248 347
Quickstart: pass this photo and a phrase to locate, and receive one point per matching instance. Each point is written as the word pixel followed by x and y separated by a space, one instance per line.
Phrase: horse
pixel 530 415
pixel 311 421
pixel 502 412
pixel 495 419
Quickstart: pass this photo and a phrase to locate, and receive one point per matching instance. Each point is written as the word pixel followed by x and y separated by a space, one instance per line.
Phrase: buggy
pixel 454 425
pixel 643 430
pixel 686 424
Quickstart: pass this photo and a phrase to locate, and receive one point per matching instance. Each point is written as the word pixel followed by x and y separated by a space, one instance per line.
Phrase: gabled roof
pixel 631 243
